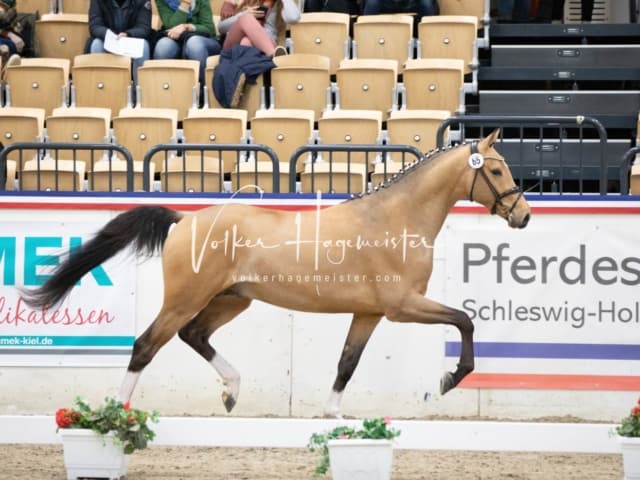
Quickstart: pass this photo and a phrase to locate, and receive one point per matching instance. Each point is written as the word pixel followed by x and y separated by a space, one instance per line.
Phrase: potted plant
pixel 96 441
pixel 365 452
pixel 629 438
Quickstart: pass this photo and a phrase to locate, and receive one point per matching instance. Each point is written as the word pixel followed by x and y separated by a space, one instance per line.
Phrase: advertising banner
pixel 554 307
pixel 94 325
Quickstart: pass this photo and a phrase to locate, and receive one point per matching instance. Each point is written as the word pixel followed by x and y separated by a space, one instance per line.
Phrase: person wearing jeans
pixel 420 7
pixel 125 18
pixel 188 32
pixel 513 10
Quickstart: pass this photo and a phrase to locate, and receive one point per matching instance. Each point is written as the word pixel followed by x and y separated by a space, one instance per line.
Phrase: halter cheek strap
pixel 497 196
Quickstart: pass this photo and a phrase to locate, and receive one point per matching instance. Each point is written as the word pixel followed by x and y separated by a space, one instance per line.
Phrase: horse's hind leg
pixel 222 309
pixel 362 327
pixel 416 308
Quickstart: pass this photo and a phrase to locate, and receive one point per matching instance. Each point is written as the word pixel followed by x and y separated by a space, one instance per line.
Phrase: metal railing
pixel 178 152
pixel 315 156
pixel 542 171
pixel 625 168
pixel 43 151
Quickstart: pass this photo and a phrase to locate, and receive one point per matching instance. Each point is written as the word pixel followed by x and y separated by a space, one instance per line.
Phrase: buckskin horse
pixel 216 260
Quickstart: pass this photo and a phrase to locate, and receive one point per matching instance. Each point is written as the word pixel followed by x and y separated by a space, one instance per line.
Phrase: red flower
pixel 127 406
pixel 387 420
pixel 132 419
pixel 65 417
pixel 635 411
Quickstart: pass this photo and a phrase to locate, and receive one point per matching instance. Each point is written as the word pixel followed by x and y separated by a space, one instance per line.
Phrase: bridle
pixel 498 197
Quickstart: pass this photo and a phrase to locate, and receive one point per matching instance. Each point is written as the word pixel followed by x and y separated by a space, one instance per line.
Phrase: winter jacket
pixel 233 62
pixel 136 12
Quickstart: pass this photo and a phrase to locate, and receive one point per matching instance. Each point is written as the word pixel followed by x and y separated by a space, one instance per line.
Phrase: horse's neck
pixel 426 198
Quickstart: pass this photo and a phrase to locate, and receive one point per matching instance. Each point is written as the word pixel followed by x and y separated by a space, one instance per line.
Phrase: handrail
pixel 207 147
pixel 625 166
pixel 542 121
pixel 56 146
pixel 368 148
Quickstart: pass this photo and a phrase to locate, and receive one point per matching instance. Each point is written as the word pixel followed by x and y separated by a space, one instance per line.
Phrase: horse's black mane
pixel 425 159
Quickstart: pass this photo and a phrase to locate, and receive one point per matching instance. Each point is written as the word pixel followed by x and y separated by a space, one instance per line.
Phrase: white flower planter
pixel 89 454
pixel 630 448
pixel 360 459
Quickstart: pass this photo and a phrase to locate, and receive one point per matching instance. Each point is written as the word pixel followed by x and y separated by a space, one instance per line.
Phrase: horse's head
pixel 492 185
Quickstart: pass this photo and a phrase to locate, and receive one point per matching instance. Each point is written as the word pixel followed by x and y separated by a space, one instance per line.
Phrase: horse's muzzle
pixel 515 222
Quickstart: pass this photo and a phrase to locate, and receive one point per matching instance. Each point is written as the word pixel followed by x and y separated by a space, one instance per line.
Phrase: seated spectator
pixel 513 10
pixel 187 32
pixel 257 24
pixel 553 10
pixel 125 18
pixel 11 43
pixel 352 7
pixel 420 7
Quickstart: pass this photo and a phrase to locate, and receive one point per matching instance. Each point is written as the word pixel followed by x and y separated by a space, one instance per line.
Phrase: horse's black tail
pixel 147 226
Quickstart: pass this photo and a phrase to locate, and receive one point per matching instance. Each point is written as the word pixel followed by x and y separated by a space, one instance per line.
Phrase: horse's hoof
pixel 446 383
pixel 229 401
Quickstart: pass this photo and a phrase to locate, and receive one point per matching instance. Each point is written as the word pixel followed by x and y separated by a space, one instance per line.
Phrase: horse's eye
pixel 496 172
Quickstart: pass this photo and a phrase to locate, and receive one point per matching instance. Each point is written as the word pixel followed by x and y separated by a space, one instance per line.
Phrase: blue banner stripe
pixel 65 341
pixel 586 351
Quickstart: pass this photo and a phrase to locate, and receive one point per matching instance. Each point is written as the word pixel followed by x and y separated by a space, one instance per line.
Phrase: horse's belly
pixel 296 294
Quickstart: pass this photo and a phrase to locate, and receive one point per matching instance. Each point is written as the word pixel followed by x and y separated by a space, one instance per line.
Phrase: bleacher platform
pixel 462 68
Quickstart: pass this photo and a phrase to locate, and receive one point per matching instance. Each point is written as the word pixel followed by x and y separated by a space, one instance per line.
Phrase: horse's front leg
pixel 417 308
pixel 362 327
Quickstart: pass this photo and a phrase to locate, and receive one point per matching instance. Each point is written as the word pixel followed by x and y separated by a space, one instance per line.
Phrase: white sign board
pixel 94 325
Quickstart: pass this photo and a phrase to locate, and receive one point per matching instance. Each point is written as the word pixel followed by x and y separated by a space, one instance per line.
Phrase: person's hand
pixel 227 10
pixel 255 11
pixel 122 35
pixel 175 32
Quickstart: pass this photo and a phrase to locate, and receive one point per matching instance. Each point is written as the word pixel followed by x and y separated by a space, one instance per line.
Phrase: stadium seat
pixel 39 7
pixel 434 84
pixel 284 130
pixel 139 129
pixel 301 81
pixel 384 36
pixel 51 174
pixel 384 171
pixel 350 127
pixel 416 128
pixel 367 84
pixel 18 125
pixel 62 35
pixel 169 83
pixel 38 83
pixel 79 125
pixel 478 8
pixel 322 33
pixel 101 80
pixel 192 173
pixel 10 181
pixel 216 126
pixel 111 175
pixel 249 174
pixel 451 36
pixel 333 178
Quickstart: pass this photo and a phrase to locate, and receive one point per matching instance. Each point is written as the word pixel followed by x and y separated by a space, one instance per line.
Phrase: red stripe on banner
pixel 551 382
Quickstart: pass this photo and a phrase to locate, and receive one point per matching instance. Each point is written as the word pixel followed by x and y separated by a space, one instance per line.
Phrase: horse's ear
pixel 490 139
